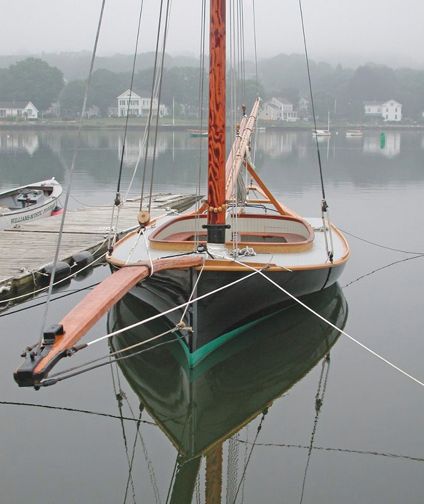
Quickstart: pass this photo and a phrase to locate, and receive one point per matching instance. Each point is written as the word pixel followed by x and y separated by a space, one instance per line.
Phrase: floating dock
pixel 27 249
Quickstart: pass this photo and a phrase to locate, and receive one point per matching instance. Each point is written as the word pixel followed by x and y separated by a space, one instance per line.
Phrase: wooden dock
pixel 27 249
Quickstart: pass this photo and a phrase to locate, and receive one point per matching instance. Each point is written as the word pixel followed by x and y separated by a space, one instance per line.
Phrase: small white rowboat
pixel 26 203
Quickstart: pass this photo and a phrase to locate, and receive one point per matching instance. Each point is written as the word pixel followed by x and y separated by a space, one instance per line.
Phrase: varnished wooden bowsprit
pixel 60 340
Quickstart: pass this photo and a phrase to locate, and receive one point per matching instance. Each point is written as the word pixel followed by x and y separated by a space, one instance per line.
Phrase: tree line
pixel 339 90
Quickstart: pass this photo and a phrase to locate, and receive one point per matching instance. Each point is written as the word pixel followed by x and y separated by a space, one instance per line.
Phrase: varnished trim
pixel 97 302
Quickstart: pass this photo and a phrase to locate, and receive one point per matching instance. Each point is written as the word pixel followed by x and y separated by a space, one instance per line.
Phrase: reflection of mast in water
pixel 199 408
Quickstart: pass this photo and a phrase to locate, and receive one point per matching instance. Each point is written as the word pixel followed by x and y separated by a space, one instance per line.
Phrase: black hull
pixel 219 314
pixel 198 407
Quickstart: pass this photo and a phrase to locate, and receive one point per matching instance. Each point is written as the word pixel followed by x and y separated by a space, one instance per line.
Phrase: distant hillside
pixel 74 65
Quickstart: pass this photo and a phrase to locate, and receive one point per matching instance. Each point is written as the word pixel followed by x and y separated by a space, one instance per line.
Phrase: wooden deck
pixel 27 249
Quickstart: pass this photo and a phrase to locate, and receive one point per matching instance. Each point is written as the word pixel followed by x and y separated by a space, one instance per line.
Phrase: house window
pixel 387 116
pixel 395 117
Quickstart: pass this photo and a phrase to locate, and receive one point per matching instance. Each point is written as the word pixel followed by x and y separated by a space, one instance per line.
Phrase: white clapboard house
pixel 138 105
pixel 389 111
pixel 18 110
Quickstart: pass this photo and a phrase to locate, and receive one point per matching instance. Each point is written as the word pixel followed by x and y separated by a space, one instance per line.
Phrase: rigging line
pixel 71 293
pixel 255 47
pixel 337 450
pixel 165 34
pixel 312 99
pixel 380 245
pixel 372 352
pixel 71 172
pixel 232 467
pixel 198 498
pixel 174 471
pixel 152 94
pixel 152 475
pixel 117 202
pixel 178 464
pixel 319 400
pixel 52 381
pixel 242 50
pixel 192 293
pixel 141 147
pixel 201 104
pixel 114 353
pixel 258 430
pixel 130 478
pixel 118 186
pixel 72 410
pixel 119 397
pixel 370 273
pixel 245 458
pixel 171 310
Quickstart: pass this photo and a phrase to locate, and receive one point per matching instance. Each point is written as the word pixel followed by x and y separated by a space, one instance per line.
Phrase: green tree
pixel 71 99
pixel 105 87
pixel 33 79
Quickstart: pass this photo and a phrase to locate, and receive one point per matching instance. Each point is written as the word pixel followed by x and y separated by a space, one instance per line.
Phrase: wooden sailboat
pixel 242 244
pixel 199 408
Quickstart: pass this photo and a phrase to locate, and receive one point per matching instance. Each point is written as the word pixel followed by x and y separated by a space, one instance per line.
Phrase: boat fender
pixel 62 271
pixel 81 259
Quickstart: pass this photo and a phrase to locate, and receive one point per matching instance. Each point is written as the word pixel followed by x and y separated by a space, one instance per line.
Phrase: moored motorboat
pixel 321 133
pixel 195 133
pixel 26 203
pixel 354 133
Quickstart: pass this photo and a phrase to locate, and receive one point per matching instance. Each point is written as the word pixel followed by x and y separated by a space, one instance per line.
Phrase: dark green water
pixel 368 444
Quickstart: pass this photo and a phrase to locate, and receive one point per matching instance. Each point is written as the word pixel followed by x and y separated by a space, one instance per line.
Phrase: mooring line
pixel 372 272
pixel 380 245
pixel 72 410
pixel 372 352
pixel 338 450
pixel 34 305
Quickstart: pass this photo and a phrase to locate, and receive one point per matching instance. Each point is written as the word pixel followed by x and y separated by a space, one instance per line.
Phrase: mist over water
pixel 368 434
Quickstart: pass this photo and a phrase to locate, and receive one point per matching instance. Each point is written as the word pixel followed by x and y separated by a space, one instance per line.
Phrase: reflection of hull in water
pixel 213 316
pixel 199 407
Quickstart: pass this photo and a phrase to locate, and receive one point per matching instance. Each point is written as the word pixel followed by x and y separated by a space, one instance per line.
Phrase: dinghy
pixel 26 203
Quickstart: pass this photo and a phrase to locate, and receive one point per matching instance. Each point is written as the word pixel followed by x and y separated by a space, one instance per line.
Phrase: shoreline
pixel 111 124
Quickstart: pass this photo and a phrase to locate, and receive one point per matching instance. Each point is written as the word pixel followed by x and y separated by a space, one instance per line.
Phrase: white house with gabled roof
pixel 138 105
pixel 18 109
pixel 278 109
pixel 390 111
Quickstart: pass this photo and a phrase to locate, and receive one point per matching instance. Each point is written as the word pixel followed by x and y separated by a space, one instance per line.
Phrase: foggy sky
pixel 345 31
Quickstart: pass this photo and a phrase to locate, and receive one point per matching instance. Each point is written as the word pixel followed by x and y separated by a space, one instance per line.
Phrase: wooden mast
pixel 216 138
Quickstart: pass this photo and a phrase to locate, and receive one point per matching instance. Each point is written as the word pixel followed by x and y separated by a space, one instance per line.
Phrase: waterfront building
pixel 18 110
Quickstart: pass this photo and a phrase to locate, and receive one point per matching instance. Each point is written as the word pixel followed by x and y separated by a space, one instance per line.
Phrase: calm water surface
pixel 365 445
